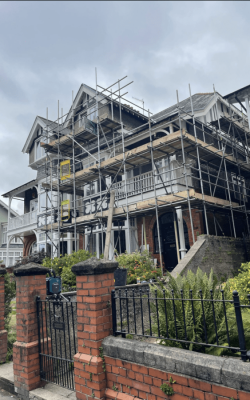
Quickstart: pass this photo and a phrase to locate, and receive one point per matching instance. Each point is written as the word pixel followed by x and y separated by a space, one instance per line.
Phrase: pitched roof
pixel 22 188
pixel 200 101
pixel 4 205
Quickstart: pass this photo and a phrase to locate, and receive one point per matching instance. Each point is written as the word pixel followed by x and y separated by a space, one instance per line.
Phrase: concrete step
pixel 52 392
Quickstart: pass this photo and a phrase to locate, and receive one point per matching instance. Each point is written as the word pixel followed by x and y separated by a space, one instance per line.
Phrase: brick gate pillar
pixel 30 283
pixel 3 332
pixel 94 283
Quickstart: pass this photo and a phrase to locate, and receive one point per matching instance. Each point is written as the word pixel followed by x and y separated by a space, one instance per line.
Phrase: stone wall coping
pixel 229 372
pixel 204 236
pixel 31 269
pixel 94 266
pixel 2 271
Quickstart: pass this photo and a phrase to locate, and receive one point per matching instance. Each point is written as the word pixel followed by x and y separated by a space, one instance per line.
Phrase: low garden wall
pixel 139 369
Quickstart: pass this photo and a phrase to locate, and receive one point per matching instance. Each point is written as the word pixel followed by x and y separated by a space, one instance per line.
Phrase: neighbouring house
pixel 178 174
pixel 15 242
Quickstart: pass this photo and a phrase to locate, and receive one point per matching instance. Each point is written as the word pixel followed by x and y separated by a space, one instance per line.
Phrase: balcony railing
pixel 145 182
pixel 23 220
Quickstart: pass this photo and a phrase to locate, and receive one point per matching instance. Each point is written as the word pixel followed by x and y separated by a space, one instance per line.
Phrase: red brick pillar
pixel 3 332
pixel 94 283
pixel 30 283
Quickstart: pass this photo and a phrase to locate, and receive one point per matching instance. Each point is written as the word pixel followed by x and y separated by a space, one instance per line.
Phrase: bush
pixel 139 265
pixel 241 282
pixel 195 282
pixel 62 266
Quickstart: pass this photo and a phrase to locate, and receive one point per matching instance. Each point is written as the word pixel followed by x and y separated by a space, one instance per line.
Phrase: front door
pixel 169 250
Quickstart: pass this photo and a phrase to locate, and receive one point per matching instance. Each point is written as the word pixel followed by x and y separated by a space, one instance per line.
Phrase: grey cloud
pixel 47 49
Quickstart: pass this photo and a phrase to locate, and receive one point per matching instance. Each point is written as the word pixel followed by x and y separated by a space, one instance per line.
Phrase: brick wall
pixel 30 283
pixel 27 242
pixel 136 369
pixel 81 242
pixel 137 381
pixel 94 283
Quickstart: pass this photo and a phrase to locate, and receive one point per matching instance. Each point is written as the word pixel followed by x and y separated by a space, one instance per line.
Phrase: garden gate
pixel 57 340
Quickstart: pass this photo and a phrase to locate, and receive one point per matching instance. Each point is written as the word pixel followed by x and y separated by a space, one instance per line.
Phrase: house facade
pixel 15 243
pixel 177 174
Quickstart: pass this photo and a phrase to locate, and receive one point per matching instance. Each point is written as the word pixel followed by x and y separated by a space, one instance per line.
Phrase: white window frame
pixel 4 234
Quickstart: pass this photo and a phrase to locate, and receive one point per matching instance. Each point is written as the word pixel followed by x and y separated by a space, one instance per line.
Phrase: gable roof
pixel 43 122
pixel 200 102
pixel 20 190
pixel 5 206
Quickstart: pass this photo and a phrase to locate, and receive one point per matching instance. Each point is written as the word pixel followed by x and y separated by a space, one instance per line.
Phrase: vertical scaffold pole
pixel 46 166
pixel 225 165
pixel 156 205
pixel 58 183
pixel 198 159
pixel 185 169
pixel 74 172
pixel 124 168
pixel 99 158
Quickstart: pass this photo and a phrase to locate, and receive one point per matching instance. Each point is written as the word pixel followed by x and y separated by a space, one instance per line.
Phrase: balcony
pixel 23 220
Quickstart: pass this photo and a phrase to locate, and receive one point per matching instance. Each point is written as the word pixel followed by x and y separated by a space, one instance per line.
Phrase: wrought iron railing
pixel 177 320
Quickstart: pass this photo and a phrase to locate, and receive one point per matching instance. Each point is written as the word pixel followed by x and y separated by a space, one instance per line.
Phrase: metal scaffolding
pixel 210 171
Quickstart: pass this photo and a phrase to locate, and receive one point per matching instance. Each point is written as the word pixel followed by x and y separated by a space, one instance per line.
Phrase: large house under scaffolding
pixel 176 175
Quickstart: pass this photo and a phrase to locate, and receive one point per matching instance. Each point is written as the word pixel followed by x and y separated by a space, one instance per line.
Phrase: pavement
pixel 49 392
pixel 4 395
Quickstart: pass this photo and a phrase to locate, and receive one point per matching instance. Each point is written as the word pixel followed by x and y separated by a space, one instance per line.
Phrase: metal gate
pixel 57 336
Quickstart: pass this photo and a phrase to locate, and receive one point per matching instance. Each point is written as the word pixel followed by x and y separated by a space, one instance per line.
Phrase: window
pixel 11 258
pixel 33 248
pixel 42 202
pixel 120 241
pixel 239 186
pixel 92 113
pixel 81 120
pixel 4 235
pixel 40 152
pixel 90 188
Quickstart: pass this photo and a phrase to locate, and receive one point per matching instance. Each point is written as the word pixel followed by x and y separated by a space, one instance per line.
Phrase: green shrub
pixel 241 282
pixel 167 390
pixel 195 282
pixel 139 265
pixel 62 266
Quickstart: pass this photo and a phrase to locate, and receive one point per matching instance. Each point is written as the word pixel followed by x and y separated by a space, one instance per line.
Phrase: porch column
pixel 3 332
pixel 30 283
pixel 94 283
pixel 183 249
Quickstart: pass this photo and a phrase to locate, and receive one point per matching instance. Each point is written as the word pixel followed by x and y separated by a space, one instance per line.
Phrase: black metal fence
pixel 193 323
pixel 57 340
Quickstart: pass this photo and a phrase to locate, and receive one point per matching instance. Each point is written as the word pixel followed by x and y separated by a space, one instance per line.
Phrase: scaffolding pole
pixel 185 169
pixel 156 205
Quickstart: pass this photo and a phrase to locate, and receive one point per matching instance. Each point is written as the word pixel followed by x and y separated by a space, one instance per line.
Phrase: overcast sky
pixel 47 49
